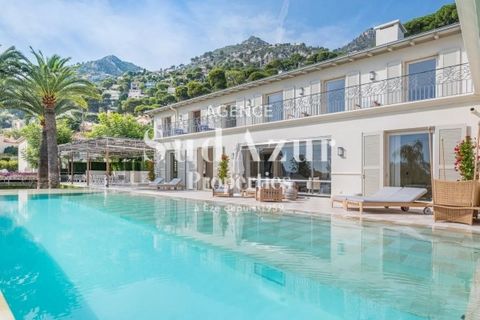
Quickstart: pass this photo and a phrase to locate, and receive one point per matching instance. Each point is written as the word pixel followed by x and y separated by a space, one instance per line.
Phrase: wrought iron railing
pixel 437 83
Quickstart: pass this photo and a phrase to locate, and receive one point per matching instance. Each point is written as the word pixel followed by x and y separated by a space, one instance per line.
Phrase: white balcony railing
pixel 437 83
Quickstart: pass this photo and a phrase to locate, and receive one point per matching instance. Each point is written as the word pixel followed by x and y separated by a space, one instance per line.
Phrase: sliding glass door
pixel 409 160
pixel 308 163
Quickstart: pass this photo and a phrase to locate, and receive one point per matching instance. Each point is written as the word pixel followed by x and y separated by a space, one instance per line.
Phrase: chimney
pixel 389 32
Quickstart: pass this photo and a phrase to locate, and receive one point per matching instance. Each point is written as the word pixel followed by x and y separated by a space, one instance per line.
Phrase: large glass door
pixel 409 160
pixel 308 163
pixel 335 94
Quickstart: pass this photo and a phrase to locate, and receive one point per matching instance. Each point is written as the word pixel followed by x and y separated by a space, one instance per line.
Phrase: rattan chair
pixel 455 201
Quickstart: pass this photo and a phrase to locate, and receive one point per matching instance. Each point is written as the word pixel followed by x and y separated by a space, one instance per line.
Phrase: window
pixel 167 126
pixel 196 121
pixel 274 110
pixel 422 80
pixel 230 118
pixel 335 94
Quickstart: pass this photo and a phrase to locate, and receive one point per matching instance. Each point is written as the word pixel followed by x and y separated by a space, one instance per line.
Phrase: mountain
pixel 253 51
pixel 364 41
pixel 109 66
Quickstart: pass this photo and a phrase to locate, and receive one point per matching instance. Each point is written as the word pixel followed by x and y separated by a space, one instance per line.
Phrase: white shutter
pixel 241 113
pixel 448 64
pixel 352 91
pixel 289 109
pixel 394 92
pixel 257 110
pixel 181 166
pixel 372 171
pixel 315 97
pixel 161 166
pixel 184 122
pixel 446 138
pixel 191 169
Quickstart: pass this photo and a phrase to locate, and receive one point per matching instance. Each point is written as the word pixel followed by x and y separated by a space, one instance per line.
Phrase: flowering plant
pixel 464 158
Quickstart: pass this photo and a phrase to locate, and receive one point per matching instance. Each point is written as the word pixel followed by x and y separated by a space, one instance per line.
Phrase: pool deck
pixel 5 312
pixel 304 205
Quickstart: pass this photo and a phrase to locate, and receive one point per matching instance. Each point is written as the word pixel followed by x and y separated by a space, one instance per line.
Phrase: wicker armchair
pixel 269 193
pixel 455 201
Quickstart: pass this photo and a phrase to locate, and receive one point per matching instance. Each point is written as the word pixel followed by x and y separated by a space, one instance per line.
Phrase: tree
pixel 181 93
pixel 235 77
pixel 444 16
pixel 11 150
pixel 217 79
pixel 33 134
pixel 55 86
pixel 196 88
pixel 256 75
pixel 130 104
pixel 118 125
pixel 10 63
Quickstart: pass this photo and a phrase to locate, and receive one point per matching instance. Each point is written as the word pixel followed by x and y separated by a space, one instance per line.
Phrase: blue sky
pixel 160 33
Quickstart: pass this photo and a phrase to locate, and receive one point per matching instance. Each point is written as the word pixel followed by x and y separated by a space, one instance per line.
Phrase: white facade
pixel 362 105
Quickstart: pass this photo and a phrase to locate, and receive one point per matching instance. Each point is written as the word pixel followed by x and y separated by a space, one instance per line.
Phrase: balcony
pixel 436 83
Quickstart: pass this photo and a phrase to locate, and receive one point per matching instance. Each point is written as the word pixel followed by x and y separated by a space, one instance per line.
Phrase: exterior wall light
pixel 301 91
pixel 341 152
pixel 372 75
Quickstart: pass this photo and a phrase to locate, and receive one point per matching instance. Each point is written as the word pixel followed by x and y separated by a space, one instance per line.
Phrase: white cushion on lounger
pixel 401 195
pixel 382 193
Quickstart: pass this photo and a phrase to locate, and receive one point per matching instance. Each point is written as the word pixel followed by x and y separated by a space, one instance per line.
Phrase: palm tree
pixel 20 98
pixel 10 62
pixel 47 88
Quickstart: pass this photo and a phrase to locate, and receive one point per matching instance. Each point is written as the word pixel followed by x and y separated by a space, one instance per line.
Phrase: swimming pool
pixel 121 256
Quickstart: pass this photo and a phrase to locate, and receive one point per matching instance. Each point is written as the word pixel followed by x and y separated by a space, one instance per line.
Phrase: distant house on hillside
pixel 114 94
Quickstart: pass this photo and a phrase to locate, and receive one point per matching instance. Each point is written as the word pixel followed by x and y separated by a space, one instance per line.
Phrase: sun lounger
pixel 405 198
pixel 174 184
pixel 156 182
pixel 383 192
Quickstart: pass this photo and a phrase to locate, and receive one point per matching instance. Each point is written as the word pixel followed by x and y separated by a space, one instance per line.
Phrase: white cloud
pixel 152 34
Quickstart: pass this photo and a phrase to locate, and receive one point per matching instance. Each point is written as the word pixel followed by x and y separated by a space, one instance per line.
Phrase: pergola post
pixel 107 173
pixel 71 168
pixel 88 169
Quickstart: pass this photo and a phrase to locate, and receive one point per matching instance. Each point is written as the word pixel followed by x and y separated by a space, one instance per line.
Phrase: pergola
pixel 105 147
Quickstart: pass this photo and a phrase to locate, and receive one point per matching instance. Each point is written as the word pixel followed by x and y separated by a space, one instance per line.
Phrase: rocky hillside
pixel 253 51
pixel 109 66
pixel 364 41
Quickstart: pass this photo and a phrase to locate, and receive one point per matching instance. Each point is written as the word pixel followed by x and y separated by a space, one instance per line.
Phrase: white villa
pixel 344 126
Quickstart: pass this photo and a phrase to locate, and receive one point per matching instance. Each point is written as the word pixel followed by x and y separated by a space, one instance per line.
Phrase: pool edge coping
pixel 304 213
pixel 5 311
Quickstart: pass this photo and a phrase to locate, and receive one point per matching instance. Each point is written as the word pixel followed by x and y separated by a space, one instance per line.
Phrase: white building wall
pixel 345 128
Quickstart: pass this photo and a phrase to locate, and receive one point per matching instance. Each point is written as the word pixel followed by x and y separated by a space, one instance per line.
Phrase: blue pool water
pixel 118 256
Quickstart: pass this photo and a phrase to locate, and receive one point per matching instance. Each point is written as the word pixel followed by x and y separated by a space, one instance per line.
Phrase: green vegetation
pixel 465 159
pixel 9 164
pixel 45 89
pixel 118 125
pixel 33 134
pixel 223 168
pixel 444 16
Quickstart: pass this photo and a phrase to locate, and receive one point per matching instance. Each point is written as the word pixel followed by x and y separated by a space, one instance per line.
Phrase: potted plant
pixel 455 200
pixel 150 168
pixel 223 168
